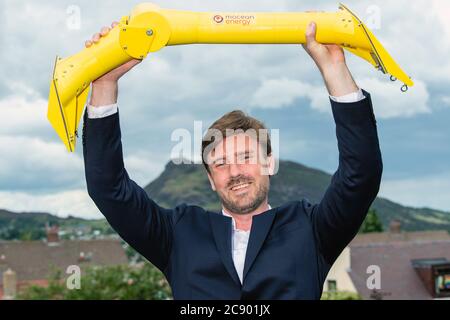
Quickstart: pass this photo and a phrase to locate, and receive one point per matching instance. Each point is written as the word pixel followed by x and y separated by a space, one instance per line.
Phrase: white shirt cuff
pixel 101 111
pixel 348 98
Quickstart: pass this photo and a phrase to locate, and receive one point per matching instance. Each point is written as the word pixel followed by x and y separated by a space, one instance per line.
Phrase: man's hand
pixel 105 88
pixel 330 60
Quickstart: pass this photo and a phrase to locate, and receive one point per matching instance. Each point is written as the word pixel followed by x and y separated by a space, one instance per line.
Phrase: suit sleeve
pixel 339 215
pixel 142 223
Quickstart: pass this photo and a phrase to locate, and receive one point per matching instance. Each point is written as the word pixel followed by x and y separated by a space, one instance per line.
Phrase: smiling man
pixel 249 250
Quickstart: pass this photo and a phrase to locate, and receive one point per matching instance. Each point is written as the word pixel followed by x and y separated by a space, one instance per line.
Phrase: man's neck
pixel 244 221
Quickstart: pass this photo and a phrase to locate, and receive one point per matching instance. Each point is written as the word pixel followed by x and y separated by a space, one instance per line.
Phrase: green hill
pixel 31 225
pixel 188 183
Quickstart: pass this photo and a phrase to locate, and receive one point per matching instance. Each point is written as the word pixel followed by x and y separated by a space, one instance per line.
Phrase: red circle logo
pixel 218 19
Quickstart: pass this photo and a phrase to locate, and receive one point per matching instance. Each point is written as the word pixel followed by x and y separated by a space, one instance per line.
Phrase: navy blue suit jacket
pixel 291 248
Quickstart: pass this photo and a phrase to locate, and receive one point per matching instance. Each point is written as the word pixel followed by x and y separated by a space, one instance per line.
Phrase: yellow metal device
pixel 149 28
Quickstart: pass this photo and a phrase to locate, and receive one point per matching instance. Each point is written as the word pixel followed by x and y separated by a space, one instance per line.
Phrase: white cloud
pixel 22 114
pixel 67 202
pixel 278 93
pixel 442 9
pixel 388 101
pixel 143 167
pixel 431 191
pixel 446 100
pixel 31 163
pixel 55 168
pixel 74 202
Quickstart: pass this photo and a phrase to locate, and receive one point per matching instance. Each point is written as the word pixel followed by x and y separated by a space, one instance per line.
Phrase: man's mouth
pixel 240 186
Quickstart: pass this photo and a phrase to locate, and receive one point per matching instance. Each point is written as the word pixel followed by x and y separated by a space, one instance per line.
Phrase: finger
pixel 114 24
pixel 132 63
pixel 135 62
pixel 88 43
pixel 311 34
pixel 104 31
pixel 96 38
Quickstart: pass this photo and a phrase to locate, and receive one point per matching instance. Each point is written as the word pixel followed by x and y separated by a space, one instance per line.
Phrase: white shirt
pixel 239 237
pixel 239 246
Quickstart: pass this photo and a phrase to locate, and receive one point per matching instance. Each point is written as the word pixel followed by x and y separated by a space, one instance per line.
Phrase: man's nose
pixel 234 169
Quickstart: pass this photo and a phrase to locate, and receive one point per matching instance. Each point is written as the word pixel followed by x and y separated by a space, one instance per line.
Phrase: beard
pixel 248 202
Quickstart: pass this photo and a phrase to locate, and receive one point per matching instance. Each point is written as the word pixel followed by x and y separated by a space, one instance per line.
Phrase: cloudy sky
pixel 179 85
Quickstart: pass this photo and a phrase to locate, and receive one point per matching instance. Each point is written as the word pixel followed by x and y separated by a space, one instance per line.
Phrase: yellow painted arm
pixel 149 28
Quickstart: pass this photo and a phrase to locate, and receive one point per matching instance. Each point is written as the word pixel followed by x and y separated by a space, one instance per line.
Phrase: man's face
pixel 239 173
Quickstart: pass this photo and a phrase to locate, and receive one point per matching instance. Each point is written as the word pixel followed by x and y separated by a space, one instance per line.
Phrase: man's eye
pixel 246 157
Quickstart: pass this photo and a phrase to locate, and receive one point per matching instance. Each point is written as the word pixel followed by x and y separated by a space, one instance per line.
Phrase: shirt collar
pixel 232 219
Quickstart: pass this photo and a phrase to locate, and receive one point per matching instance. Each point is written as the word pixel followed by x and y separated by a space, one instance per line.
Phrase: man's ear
pixel 211 181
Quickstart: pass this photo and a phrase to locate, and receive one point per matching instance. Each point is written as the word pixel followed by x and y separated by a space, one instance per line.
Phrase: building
pixel 409 265
pixel 24 263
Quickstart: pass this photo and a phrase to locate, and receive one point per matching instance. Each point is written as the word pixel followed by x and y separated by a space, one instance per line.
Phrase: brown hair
pixel 234 120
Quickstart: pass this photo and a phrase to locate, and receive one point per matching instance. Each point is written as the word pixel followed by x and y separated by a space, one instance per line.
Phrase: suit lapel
pixel 260 228
pixel 221 227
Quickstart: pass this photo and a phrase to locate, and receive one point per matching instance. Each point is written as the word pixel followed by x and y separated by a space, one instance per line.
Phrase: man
pixel 250 250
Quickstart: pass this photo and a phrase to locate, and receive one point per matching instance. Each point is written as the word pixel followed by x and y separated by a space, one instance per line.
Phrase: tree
pixel 340 295
pixel 371 223
pixel 105 283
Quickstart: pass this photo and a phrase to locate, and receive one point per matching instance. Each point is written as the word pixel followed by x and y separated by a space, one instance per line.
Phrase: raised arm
pixel 354 186
pixel 143 224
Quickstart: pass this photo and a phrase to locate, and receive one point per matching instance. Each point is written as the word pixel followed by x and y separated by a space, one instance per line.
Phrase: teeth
pixel 239 186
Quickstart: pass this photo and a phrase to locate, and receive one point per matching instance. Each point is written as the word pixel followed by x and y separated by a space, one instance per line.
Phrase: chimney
pixel 395 226
pixel 52 234
pixel 9 285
